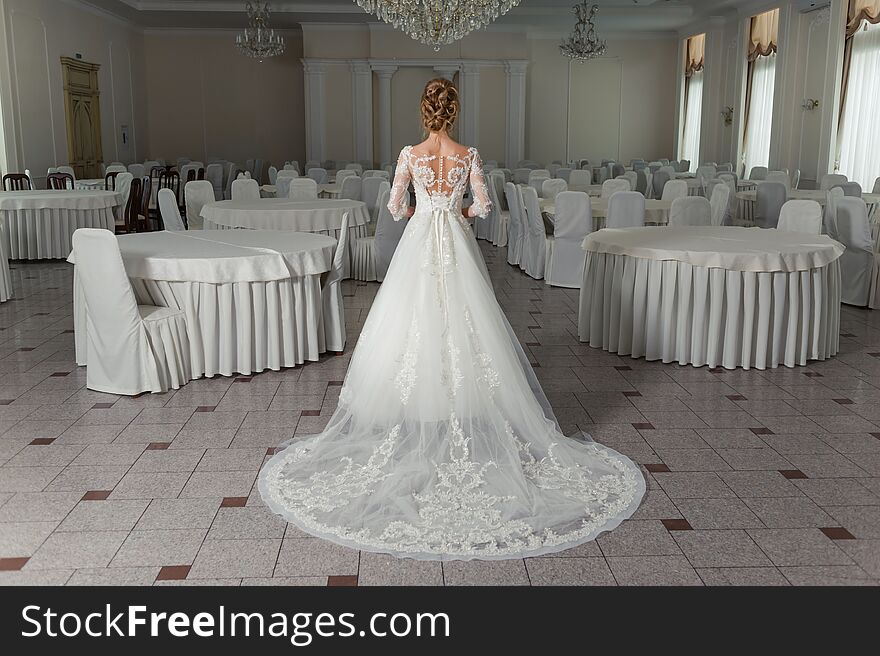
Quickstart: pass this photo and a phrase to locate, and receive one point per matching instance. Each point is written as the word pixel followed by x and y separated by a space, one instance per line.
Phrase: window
pixel 760 90
pixel 858 137
pixel 693 102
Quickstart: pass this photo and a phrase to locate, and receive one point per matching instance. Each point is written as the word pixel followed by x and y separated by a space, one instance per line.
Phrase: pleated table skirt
pixel 235 328
pixel 38 234
pixel 676 312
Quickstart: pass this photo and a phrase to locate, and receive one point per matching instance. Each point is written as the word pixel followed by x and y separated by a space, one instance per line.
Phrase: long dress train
pixel 443 445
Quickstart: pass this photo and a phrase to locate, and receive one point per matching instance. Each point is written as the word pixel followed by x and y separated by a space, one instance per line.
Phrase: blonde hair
pixel 439 105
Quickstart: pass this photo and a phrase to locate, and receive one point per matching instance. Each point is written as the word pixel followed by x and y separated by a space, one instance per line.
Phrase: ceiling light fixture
pixel 258 40
pixel 583 44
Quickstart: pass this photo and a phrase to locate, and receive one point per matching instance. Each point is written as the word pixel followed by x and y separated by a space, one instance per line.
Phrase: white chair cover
pixel 371 191
pixel 388 234
pixel 116 168
pixel 781 177
pixel 377 173
pixel 232 176
pixel 303 189
pixel 196 195
pixel 515 225
pixel 521 175
pixel 580 180
pixel 292 166
pixel 720 202
pixel 318 174
pixel 537 177
pixel 331 293
pixel 563 173
pixel 758 173
pixel 673 189
pixel 169 210
pixel 770 198
pixel 357 168
pixel 611 187
pixel 626 209
pixel 876 189
pixel 573 222
pixel 273 175
pixel 245 189
pixel 214 176
pixel 660 180
pixel 500 216
pixel 351 188
pixel 343 174
pixel 130 349
pixel 829 218
pixel 857 262
pixel 831 179
pixel 633 178
pixel 123 188
pixel 138 170
pixel 801 216
pixel 690 211
pixel 552 188
pixel 534 255
pixel 796 179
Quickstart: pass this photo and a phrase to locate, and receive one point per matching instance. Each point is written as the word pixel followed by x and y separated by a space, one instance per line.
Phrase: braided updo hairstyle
pixel 439 105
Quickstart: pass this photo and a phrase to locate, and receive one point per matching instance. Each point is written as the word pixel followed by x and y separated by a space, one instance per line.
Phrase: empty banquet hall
pixel 412 292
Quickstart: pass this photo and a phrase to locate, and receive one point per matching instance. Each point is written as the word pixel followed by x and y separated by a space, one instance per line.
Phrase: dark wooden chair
pixel 201 175
pixel 60 181
pixel 144 211
pixel 110 181
pixel 16 182
pixel 129 224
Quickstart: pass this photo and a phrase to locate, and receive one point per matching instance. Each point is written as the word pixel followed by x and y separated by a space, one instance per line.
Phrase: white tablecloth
pixel 95 184
pixel 329 190
pixel 748 199
pixel 39 224
pixel 252 299
pixel 720 296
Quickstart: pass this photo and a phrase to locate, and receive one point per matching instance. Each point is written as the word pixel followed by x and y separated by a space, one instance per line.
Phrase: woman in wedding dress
pixel 443 445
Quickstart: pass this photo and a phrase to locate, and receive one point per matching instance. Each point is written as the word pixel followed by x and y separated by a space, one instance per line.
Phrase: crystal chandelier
pixel 258 40
pixel 437 22
pixel 583 44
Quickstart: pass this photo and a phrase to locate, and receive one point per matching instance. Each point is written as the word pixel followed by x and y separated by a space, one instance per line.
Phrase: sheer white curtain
pixel 859 156
pixel 756 150
pixel 690 138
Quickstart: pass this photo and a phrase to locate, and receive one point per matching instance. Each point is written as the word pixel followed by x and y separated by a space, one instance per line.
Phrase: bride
pixel 443 445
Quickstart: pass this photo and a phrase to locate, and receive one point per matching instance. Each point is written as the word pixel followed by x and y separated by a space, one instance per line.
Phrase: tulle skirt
pixel 443 445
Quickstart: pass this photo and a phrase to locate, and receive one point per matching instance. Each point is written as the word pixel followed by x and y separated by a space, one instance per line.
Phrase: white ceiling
pixel 547 15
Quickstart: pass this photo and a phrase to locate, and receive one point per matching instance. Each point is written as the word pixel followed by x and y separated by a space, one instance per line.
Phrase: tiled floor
pixel 769 478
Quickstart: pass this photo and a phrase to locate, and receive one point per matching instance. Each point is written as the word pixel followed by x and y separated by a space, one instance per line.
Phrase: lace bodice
pixel 440 183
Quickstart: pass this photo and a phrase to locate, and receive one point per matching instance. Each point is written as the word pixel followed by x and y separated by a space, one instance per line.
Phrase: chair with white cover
pixel 563 173
pixel 357 168
pixel 709 186
pixel 333 317
pixel 197 194
pixel 857 262
pixel 318 174
pixel 245 189
pixel 232 176
pixel 706 172
pixel 552 188
pixel 117 168
pixel 303 189
pixel 292 166
pixel 831 180
pixel 214 175
pixel 770 197
pixel 536 179
pixel 137 170
pixel 371 191
pixel 781 177
pixel 758 173
pixel 611 187
pixel 534 255
pixel 690 211
pixel 804 216
pixel 521 175
pixel 130 349
pixel 720 203
pixel 343 174
pixel 580 180
pixel 515 225
pixel 372 255
pixel 312 164
pixel 273 175
pixel 876 189
pixel 350 188
pixel 169 211
pixel 501 216
pixel 660 181
pixel 795 178
pixel 282 184
pixel 851 188
pixel 673 189
pixel 829 217
pixel 573 222
pixel 726 167
pixel 633 178
pixel 626 209
pixel 123 188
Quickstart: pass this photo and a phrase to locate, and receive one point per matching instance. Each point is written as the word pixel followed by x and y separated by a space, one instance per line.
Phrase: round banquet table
pixel 716 296
pixel 252 299
pixel 39 224
pixel 751 197
pixel 656 211
pixel 317 216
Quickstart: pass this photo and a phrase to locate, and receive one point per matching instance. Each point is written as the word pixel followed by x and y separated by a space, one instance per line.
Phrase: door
pixel 83 111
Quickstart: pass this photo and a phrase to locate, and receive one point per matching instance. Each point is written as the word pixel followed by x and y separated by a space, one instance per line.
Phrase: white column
pixel 362 109
pixel 385 72
pixel 469 83
pixel 315 112
pixel 516 111
pixel 446 70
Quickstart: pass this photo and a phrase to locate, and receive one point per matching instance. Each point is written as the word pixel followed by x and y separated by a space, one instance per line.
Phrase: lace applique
pixel 406 376
pixel 486 373
pixel 451 376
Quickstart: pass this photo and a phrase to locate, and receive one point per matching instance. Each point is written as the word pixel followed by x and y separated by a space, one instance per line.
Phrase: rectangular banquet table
pixel 252 299
pixel 716 296
pixel 39 224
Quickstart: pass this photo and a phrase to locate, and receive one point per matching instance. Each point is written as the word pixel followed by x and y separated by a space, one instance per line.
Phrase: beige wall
pixel 205 100
pixel 34 35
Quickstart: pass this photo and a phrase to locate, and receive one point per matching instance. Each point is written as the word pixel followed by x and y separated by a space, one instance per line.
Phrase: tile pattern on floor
pixel 754 477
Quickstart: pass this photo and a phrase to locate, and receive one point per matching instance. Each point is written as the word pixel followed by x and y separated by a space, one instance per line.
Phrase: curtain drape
pixel 696 47
pixel 859 12
pixel 764 34
pixel 690 142
pixel 756 147
pixel 858 138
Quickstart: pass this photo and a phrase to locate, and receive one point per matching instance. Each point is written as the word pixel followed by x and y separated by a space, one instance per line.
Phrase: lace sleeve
pixel 398 202
pixel 481 205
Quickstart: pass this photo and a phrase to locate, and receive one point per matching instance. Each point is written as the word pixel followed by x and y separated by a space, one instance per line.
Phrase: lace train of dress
pixel 443 445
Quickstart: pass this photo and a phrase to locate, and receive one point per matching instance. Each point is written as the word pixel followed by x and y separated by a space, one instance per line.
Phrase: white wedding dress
pixel 443 445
